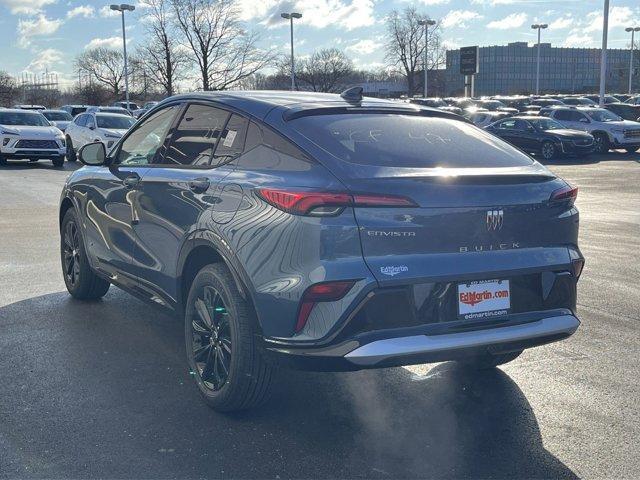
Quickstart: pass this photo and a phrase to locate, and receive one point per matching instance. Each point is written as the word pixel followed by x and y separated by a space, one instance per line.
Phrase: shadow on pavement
pixel 102 390
pixel 39 165
pixel 614 155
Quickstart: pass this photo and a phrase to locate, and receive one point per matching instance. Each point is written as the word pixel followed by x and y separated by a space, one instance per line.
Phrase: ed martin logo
pixel 394 270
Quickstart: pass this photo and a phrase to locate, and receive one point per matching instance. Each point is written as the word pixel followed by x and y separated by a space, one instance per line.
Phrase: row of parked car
pixel 35 133
pixel 553 125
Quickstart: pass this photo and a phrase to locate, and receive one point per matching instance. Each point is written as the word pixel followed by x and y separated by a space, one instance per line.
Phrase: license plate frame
pixel 482 299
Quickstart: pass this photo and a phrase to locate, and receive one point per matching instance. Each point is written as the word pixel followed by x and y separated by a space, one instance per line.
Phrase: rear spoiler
pixel 301 111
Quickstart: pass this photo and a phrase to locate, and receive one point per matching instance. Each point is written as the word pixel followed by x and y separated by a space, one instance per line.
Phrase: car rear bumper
pixel 426 347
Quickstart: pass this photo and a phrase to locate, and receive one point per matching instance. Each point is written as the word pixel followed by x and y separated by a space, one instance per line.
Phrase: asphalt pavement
pixel 102 389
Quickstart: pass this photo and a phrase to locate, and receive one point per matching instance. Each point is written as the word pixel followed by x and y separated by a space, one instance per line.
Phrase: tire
pixel 81 281
pixel 548 150
pixel 71 153
pixel 489 360
pixel 3 161
pixel 602 142
pixel 58 161
pixel 221 336
pixel 632 149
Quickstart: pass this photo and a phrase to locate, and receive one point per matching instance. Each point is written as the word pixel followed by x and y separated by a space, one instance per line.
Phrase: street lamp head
pixel 543 26
pixel 115 7
pixel 428 22
pixel 285 15
pixel 296 15
pixel 291 15
pixel 125 6
pixel 535 25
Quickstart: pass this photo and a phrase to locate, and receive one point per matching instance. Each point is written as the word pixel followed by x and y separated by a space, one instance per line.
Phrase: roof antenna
pixel 353 94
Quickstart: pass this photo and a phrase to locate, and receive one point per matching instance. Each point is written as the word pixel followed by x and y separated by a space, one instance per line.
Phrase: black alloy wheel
pixel 211 344
pixel 71 253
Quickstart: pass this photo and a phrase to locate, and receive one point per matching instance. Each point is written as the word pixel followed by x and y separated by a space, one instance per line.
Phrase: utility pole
pixel 633 30
pixel 123 8
pixel 290 17
pixel 603 54
pixel 426 24
pixel 539 27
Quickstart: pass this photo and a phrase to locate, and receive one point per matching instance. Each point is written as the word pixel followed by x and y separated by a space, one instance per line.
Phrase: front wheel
pixel 71 153
pixel 221 337
pixel 81 281
pixel 548 150
pixel 632 149
pixel 58 161
pixel 3 161
pixel 489 360
pixel 602 142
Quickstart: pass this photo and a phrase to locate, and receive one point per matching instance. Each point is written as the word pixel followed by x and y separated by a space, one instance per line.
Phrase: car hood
pixel 33 132
pixel 61 124
pixel 626 124
pixel 114 131
pixel 568 133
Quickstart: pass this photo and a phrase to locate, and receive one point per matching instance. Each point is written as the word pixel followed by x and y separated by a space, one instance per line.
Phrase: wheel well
pixel 600 132
pixel 66 205
pixel 199 257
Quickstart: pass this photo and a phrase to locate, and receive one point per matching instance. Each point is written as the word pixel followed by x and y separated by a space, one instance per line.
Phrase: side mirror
pixel 51 123
pixel 92 127
pixel 93 154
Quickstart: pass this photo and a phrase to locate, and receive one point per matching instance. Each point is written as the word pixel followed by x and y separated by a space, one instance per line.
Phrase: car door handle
pixel 199 185
pixel 131 181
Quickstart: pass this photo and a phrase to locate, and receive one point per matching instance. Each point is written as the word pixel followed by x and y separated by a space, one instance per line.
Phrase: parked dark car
pixel 607 99
pixel 74 110
pixel 625 110
pixel 543 136
pixel 495 106
pixel 581 101
pixel 546 102
pixel 326 232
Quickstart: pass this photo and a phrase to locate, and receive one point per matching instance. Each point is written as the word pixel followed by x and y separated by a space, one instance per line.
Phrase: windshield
pixel 409 141
pixel 602 116
pixel 547 101
pixel 435 103
pixel 60 116
pixel 492 104
pixel 118 110
pixel 546 124
pixel 118 122
pixel 30 119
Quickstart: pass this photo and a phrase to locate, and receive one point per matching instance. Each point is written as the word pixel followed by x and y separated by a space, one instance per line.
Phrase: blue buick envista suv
pixel 324 232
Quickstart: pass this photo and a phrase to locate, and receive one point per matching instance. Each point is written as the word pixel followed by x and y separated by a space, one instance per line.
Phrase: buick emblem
pixel 494 219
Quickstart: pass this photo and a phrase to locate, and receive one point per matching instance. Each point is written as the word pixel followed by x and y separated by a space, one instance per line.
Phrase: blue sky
pixel 47 34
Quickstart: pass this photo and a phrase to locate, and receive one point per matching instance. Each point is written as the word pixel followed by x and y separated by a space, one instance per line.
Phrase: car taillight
pixel 320 292
pixel 566 194
pixel 578 265
pixel 299 202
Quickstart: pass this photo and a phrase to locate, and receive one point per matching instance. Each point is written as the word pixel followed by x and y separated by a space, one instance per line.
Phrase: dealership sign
pixel 469 60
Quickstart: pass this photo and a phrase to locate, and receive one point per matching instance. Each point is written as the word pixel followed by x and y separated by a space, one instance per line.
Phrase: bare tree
pixel 405 46
pixel 161 57
pixel 224 52
pixel 8 88
pixel 327 70
pixel 106 66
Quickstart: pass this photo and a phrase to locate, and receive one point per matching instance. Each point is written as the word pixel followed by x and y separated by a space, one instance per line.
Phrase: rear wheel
pixel 71 153
pixel 632 149
pixel 548 150
pixel 602 142
pixel 58 161
pixel 222 343
pixel 489 360
pixel 81 281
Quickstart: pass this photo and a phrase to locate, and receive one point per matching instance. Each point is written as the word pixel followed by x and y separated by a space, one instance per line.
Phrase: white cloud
pixel 348 15
pixel 110 42
pixel 86 11
pixel 618 17
pixel 44 60
pixel 364 47
pixel 250 9
pixel 578 39
pixel 38 26
pixel 106 12
pixel 434 2
pixel 27 7
pixel 459 18
pixel 560 23
pixel 514 20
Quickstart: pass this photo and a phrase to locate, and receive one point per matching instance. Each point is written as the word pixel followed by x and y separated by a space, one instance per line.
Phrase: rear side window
pixel 231 142
pixel 409 141
pixel 196 136
pixel 562 115
pixel 81 120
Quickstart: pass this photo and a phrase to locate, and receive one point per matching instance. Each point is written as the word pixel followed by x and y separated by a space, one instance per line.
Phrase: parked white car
pixel 608 129
pixel 26 134
pixel 59 118
pixel 96 127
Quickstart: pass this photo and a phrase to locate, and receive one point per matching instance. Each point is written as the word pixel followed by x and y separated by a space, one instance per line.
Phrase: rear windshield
pixel 118 122
pixel 61 116
pixel 408 141
pixel 26 118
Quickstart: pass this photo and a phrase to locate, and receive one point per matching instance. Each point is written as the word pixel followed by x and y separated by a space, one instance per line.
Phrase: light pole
pixel 632 30
pixel 603 53
pixel 538 26
pixel 426 24
pixel 123 8
pixel 290 17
